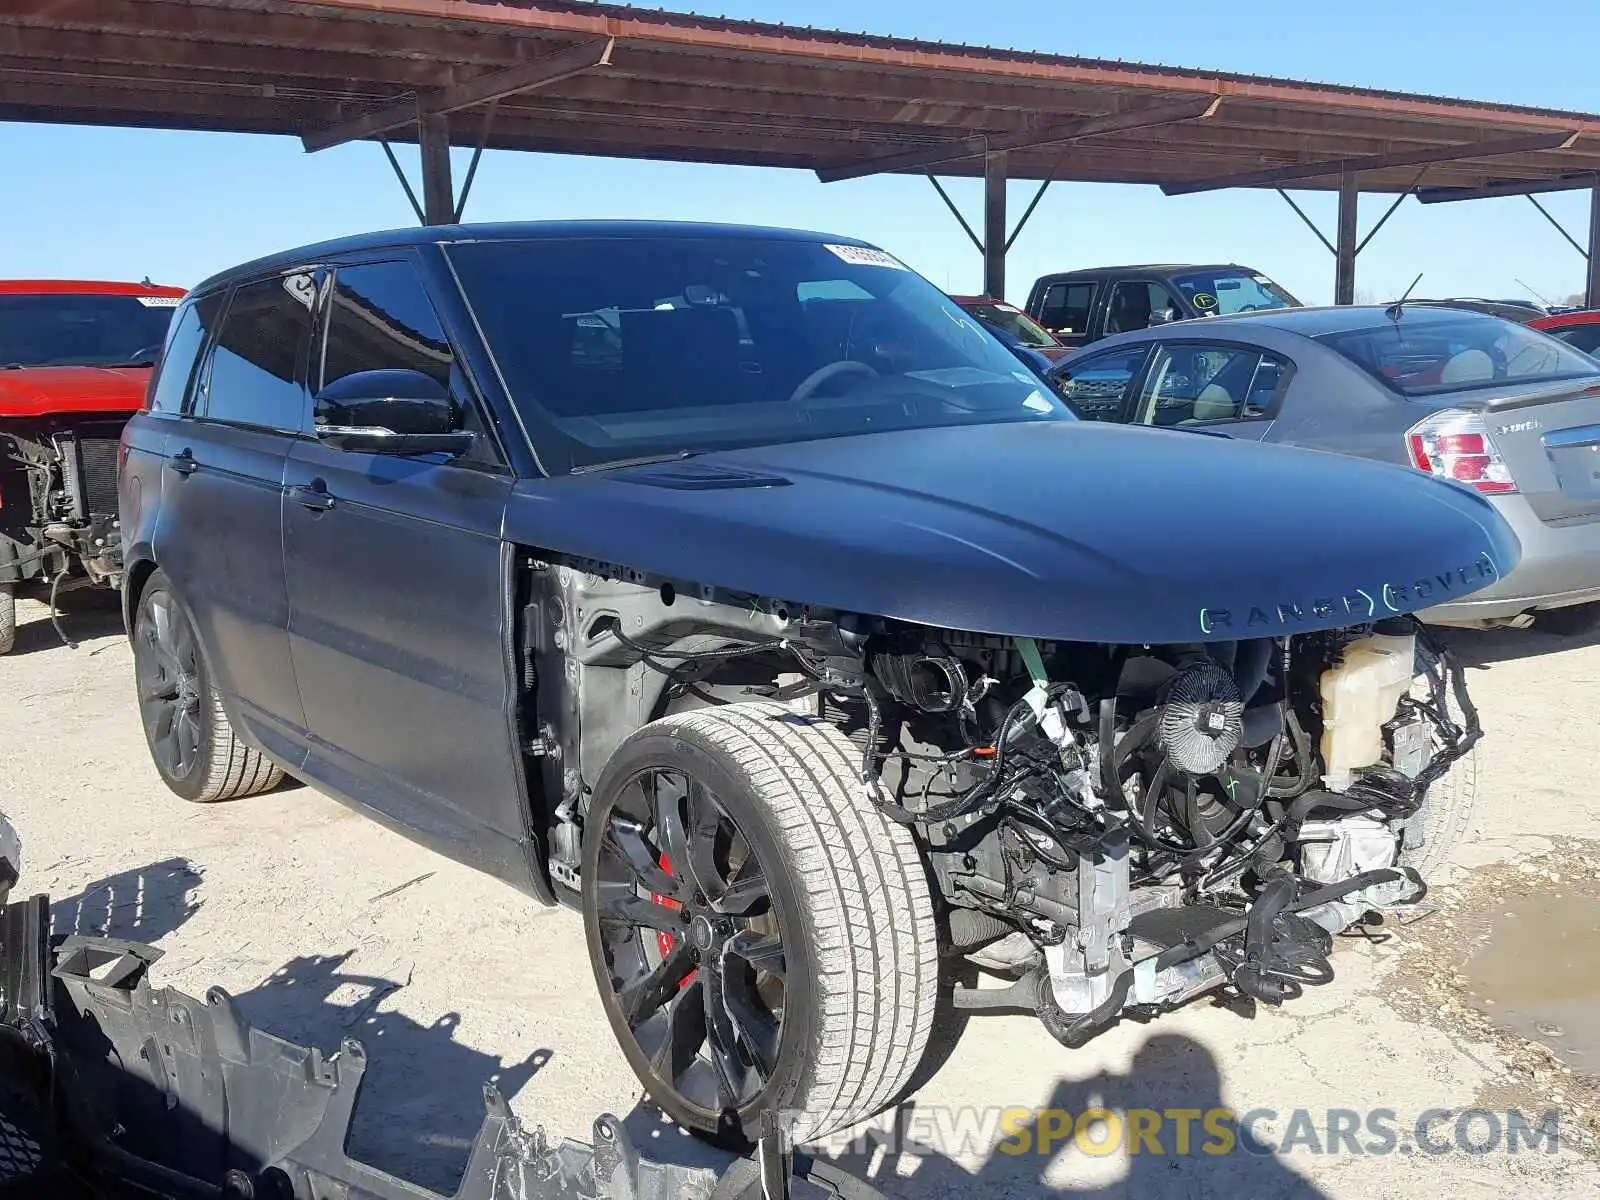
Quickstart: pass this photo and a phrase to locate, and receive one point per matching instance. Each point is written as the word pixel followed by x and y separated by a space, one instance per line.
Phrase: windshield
pixel 82 330
pixel 629 347
pixel 1218 293
pixel 1458 353
pixel 1013 321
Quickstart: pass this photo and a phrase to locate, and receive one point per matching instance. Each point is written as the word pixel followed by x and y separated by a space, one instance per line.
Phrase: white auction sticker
pixel 866 256
pixel 159 301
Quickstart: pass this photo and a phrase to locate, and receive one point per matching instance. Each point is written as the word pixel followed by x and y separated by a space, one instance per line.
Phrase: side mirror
pixel 1162 316
pixel 390 412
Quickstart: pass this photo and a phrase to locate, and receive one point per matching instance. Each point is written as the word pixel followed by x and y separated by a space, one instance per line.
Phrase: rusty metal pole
pixel 1344 254
pixel 1591 291
pixel 994 224
pixel 438 193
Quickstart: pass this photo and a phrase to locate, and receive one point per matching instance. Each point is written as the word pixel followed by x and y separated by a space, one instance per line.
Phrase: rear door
pixel 1066 309
pixel 1224 387
pixel 219 531
pixel 397 595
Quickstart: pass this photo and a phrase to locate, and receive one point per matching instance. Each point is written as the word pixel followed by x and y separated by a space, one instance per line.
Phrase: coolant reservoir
pixel 1359 694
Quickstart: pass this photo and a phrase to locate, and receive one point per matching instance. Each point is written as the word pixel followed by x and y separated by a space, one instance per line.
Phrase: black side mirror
pixel 390 412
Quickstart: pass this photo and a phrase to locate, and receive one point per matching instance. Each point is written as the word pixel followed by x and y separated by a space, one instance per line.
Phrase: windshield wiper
pixel 644 460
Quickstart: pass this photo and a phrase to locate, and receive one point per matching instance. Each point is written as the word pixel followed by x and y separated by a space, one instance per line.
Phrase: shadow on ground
pixel 142 905
pixel 1171 1072
pixel 421 1101
pixel 1486 647
pixel 87 617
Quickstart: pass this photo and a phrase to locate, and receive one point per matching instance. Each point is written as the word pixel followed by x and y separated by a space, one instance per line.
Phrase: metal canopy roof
pixel 612 80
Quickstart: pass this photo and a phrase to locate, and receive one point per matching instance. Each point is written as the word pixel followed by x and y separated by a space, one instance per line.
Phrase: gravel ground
pixel 325 925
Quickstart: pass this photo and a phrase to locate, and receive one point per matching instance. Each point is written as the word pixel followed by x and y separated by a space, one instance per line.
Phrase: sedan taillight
pixel 1456 445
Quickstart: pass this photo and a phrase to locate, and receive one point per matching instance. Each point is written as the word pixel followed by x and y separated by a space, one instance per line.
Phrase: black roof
pixel 427 235
pixel 1143 268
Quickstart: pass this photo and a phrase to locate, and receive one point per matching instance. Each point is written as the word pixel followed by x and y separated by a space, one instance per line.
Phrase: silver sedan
pixel 1474 399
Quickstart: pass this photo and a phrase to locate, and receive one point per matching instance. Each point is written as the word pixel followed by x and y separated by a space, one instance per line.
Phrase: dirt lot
pixel 325 925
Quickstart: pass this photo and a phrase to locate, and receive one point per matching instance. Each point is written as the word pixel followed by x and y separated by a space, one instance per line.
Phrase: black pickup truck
pixel 1080 307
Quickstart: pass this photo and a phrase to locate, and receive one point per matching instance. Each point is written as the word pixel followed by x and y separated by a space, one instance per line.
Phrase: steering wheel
pixel 845 366
pixel 150 353
pixel 1250 308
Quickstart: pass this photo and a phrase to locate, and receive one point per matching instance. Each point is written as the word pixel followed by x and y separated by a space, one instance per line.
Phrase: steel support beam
pixel 1344 252
pixel 994 224
pixel 1591 291
pixel 1508 187
pixel 541 72
pixel 1276 176
pixel 1047 135
pixel 438 193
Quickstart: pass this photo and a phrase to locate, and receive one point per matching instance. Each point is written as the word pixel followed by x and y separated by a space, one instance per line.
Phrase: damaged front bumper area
pixel 1269 951
pixel 110 1088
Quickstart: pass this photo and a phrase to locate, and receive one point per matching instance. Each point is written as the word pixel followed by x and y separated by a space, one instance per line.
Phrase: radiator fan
pixel 1202 719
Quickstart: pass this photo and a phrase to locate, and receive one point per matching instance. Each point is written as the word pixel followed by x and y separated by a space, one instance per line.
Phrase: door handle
pixel 183 462
pixel 314 496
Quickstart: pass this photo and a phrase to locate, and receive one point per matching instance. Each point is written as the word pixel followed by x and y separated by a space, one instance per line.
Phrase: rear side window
pixel 1194 384
pixel 1582 337
pixel 184 343
pixel 1423 354
pixel 1065 308
pixel 380 319
pixel 1097 386
pixel 261 353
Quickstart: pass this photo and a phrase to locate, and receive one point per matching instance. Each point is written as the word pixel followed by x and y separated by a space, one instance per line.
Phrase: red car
pixel 1579 329
pixel 75 358
pixel 1009 319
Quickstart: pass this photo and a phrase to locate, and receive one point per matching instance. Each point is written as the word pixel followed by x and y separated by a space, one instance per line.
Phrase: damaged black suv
pixel 736 587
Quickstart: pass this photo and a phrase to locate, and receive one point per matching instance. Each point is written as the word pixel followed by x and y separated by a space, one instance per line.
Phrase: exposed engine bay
pixel 58 483
pixel 1112 827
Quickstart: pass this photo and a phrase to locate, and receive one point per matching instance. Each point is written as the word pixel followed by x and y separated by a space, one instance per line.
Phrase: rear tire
pixel 8 617
pixel 191 742
pixel 841 1028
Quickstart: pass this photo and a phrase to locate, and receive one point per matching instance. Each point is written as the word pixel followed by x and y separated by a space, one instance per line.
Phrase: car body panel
pixel 1089 533
pixel 57 391
pixel 218 536
pixel 396 601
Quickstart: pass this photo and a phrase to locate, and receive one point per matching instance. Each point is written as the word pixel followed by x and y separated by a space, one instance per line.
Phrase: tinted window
pixel 1097 386
pixel 624 347
pixel 1427 352
pixel 1065 308
pixel 260 354
pixel 1012 321
pixel 1133 303
pixel 1217 293
pixel 187 339
pixel 1583 337
pixel 380 318
pixel 83 330
pixel 1191 384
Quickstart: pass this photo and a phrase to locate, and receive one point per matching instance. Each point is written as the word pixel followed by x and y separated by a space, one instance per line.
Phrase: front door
pixel 398 600
pixel 219 534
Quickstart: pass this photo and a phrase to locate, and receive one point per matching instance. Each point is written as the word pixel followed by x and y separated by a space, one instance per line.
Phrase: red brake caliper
pixel 665 941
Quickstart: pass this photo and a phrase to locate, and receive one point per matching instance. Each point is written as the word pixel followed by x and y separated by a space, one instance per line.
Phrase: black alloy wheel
pixel 168 668
pixel 692 943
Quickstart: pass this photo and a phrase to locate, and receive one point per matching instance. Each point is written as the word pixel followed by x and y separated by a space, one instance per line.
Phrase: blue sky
pixel 176 206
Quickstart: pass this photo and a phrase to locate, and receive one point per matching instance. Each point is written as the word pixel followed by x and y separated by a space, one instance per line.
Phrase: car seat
pixel 1468 366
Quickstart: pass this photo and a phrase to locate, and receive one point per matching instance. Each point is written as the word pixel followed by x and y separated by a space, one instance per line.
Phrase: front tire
pixel 761 934
pixel 191 742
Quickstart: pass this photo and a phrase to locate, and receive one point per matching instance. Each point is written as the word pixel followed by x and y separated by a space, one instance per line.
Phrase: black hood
pixel 1060 530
